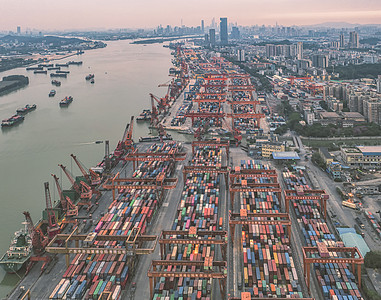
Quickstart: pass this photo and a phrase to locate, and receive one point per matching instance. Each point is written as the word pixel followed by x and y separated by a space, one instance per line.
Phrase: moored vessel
pixel 19 251
pixel 12 121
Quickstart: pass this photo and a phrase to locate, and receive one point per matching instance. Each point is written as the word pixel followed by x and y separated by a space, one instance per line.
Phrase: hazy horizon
pixel 86 14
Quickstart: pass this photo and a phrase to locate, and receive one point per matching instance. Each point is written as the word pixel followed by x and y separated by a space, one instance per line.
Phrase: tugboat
pixel 12 121
pixel 56 82
pixel 19 251
pixel 66 101
pixel 26 109
pixel 89 77
pixel 52 93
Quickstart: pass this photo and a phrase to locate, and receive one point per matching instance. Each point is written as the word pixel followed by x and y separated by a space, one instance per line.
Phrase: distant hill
pixel 43 39
pixel 339 25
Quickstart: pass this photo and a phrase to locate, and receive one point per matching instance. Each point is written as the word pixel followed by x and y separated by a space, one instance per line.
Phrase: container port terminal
pixel 191 220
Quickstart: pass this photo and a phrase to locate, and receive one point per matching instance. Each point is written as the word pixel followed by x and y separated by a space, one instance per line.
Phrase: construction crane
pixel 91 177
pixel 68 206
pixel 84 190
pixel 126 144
pixel 39 240
pixel 53 228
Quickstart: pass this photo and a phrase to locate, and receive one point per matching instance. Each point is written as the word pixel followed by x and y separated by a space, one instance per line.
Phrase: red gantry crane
pixel 126 144
pixel 163 104
pixel 84 190
pixel 70 209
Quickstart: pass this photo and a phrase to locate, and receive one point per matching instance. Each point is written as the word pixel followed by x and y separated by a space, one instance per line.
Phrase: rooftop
pixel 370 150
pixel 329 115
pixel 285 155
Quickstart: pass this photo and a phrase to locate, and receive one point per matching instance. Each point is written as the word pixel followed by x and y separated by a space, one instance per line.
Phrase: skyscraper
pixel 379 84
pixel 299 50
pixel 18 29
pixel 354 39
pixel 224 31
pixel 235 33
pixel 212 37
pixel 320 60
pixel 202 26
pixel 342 41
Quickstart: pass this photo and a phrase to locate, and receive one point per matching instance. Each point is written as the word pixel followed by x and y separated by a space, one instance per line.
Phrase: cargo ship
pixel 66 101
pixel 12 121
pixel 40 72
pixel 144 116
pixel 26 109
pixel 58 75
pixel 19 251
pixel 77 63
pixel 52 93
pixel 56 82
pixel 89 77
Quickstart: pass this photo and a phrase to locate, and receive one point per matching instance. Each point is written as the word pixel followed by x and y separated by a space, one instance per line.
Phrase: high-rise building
pixel 320 60
pixel 270 50
pixel 206 39
pixel 241 55
pixel 224 31
pixel 379 84
pixel 202 26
pixel 342 40
pixel 354 40
pixel 299 51
pixel 235 33
pixel 212 37
pixel 18 29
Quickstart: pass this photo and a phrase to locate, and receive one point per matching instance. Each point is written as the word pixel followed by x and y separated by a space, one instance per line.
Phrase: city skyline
pixel 86 14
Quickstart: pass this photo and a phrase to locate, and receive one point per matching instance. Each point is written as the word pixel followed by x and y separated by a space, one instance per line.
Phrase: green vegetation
pixel 357 71
pixel 11 63
pixel 370 41
pixel 318 160
pixel 373 259
pixel 317 130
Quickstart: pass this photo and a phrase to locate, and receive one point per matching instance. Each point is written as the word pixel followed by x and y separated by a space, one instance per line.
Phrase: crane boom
pixel 66 203
pixel 80 166
pixel 71 179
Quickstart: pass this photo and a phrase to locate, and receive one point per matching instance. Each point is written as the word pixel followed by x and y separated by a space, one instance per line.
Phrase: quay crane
pixel 39 242
pixel 154 114
pixel 84 190
pixel 71 210
pixel 126 144
pixel 163 103
pixel 236 133
pixel 53 228
pixel 91 177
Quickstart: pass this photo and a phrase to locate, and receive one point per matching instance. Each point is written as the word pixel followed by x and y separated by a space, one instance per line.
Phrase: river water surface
pixel 125 74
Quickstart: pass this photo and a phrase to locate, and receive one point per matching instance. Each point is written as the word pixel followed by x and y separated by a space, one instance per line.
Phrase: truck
pixel 359 222
pixel 349 204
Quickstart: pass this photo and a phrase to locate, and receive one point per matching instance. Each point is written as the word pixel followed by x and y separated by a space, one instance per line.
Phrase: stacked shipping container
pixel 268 265
pixel 89 275
pixel 336 280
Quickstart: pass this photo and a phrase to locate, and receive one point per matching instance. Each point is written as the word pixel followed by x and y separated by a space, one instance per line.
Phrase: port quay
pixel 196 219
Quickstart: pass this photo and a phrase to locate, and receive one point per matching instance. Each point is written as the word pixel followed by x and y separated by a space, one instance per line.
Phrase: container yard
pixel 198 220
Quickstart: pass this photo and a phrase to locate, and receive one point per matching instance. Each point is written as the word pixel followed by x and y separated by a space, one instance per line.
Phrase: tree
pixel 318 160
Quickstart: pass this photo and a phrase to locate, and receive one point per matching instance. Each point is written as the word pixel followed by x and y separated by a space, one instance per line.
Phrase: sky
pixel 87 14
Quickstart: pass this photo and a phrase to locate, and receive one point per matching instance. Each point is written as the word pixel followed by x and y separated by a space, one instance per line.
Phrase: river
pixel 125 74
